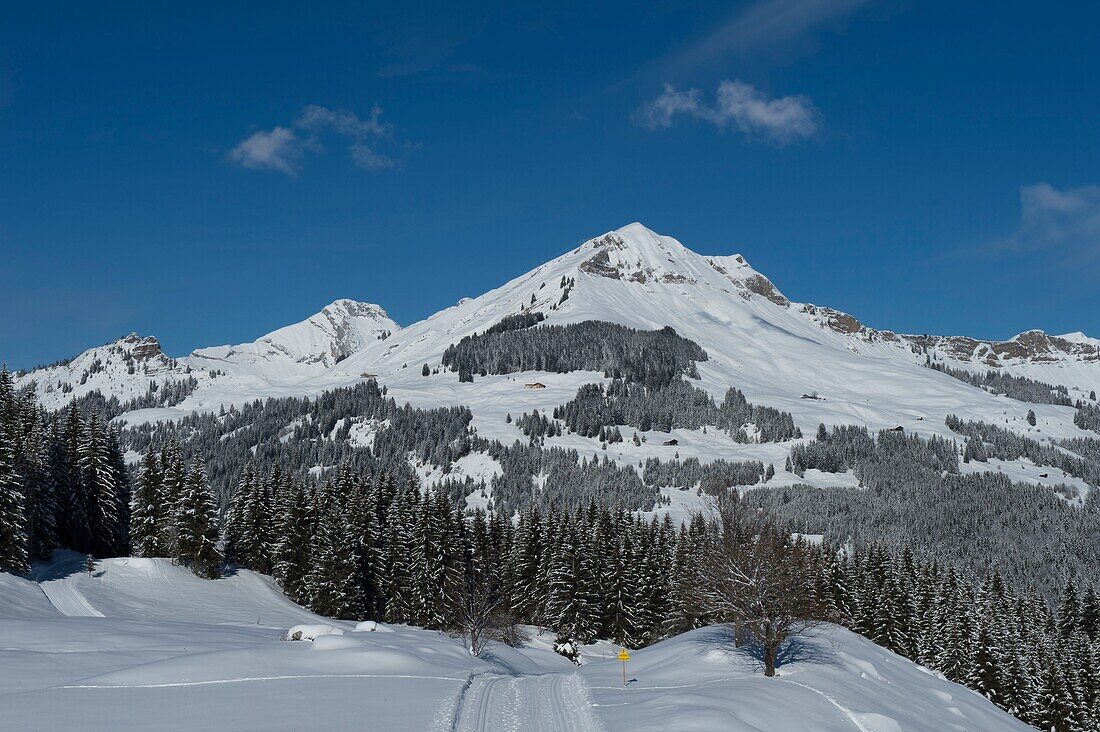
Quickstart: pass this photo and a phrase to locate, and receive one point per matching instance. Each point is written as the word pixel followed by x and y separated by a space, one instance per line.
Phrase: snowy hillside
pixel 124 369
pixel 776 351
pixel 141 644
pixel 312 346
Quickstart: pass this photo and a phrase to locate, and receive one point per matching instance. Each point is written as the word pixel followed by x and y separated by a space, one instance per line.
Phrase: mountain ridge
pixel 632 276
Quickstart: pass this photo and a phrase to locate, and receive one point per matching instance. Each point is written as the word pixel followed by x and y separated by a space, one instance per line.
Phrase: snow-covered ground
pixel 140 644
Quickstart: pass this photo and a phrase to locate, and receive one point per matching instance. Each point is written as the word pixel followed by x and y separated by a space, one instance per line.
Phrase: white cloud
pixel 1068 219
pixel 660 113
pixel 737 105
pixel 763 24
pixel 368 159
pixel 280 149
pixel 316 119
pixel 283 148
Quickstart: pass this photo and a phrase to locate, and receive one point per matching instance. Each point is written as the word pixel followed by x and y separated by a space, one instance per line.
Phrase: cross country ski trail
pixel 544 703
pixel 64 595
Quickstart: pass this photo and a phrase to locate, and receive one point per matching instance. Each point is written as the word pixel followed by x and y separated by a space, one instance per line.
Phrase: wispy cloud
pixel 763 24
pixel 277 149
pixel 737 105
pixel 283 148
pixel 315 118
pixel 1067 219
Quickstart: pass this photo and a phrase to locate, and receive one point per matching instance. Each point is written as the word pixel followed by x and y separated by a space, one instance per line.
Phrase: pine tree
pixel 292 544
pixel 197 541
pixel 172 490
pixel 332 579
pixel 148 517
pixel 100 488
pixel 400 546
pixel 437 562
pixel 1090 615
pixel 41 505
pixel 527 556
pixel 1069 614
pixel 116 461
pixel 562 611
pixel 13 538
pixel 71 511
pixel 249 526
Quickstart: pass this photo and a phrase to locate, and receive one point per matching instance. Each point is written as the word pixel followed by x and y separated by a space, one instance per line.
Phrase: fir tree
pixel 99 486
pixel 292 543
pixel 333 577
pixel 197 517
pixel 13 539
pixel 148 517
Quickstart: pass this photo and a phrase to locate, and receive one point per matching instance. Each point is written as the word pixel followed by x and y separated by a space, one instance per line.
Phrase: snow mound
pixel 835 682
pixel 311 632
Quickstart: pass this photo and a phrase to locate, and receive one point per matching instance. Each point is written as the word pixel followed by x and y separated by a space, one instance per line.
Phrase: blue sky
pixel 207 173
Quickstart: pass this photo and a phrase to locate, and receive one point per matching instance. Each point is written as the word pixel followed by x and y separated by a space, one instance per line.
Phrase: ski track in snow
pixel 68 600
pixel 852 717
pixel 548 702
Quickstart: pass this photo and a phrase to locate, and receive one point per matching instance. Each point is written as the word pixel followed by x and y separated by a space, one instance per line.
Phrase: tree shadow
pixel 65 563
pixel 815 648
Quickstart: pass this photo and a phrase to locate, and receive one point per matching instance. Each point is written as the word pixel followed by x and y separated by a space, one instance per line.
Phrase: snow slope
pixel 837 682
pixel 124 368
pixel 773 350
pixel 312 346
pixel 164 650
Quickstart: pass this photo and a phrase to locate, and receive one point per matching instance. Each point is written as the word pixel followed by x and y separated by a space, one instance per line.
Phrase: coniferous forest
pixel 364 541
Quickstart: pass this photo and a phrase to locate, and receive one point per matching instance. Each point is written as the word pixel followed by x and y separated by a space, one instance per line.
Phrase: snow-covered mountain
pixel 124 369
pixel 312 346
pixel 775 350
pixel 636 277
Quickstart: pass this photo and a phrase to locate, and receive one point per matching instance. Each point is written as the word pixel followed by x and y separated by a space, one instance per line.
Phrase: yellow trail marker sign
pixel 624 657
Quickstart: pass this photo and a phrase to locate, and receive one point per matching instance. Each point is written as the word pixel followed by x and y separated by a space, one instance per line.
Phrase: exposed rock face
pixel 748 281
pixel 142 349
pixel 1034 346
pixel 600 266
pixel 760 285
pixel 845 324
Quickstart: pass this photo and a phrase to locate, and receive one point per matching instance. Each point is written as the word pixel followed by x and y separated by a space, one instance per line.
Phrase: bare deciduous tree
pixel 760 580
pixel 484 615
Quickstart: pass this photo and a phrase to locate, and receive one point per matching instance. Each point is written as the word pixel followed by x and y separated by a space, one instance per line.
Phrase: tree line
pixel 363 546
pixel 63 481
pixel 653 358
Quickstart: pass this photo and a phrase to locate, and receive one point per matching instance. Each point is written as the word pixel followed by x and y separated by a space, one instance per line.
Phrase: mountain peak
pixel 317 343
pixel 635 253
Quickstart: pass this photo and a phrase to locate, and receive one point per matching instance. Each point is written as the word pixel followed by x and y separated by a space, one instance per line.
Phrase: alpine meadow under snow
pixel 793 521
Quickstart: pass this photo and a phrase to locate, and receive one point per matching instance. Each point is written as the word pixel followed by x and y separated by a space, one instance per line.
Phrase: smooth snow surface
pixel 838 682
pixel 140 644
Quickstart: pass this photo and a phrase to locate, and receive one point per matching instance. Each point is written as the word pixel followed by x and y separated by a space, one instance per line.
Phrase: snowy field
pixel 143 645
